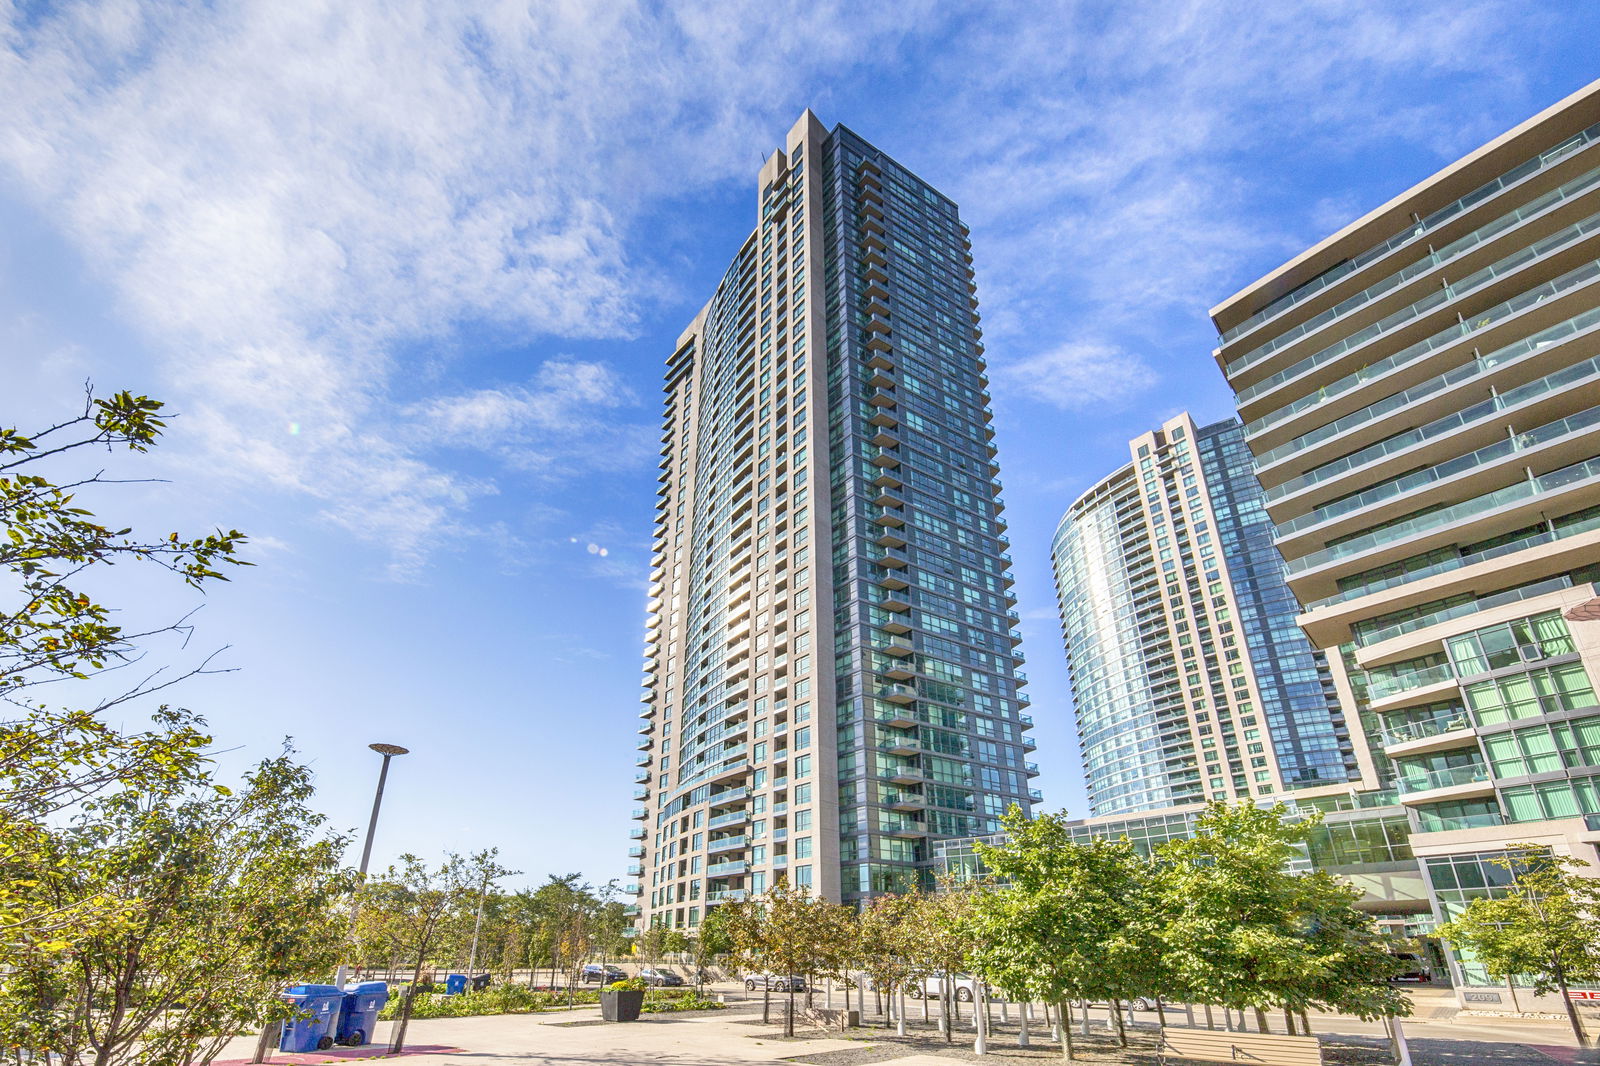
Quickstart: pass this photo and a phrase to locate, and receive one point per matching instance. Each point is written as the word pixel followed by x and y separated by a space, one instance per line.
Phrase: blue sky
pixel 408 273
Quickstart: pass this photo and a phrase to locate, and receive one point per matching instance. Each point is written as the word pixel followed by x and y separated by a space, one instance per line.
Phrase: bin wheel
pixel 325 1043
pixel 357 1038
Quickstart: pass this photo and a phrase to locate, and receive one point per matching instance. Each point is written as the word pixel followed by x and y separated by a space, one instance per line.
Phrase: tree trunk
pixel 788 1018
pixel 924 998
pixel 1288 1021
pixel 1066 1030
pixel 1261 1020
pixel 1211 1023
pixel 1022 1019
pixel 1560 974
pixel 1161 1013
pixel 766 1003
pixel 900 1008
pixel 1116 1012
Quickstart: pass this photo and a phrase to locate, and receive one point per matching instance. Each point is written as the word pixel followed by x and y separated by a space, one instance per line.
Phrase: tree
pixel 1543 928
pixel 790 933
pixel 886 943
pixel 422 904
pixel 943 940
pixel 1066 920
pixel 714 938
pixel 52 632
pixel 1247 932
pixel 228 898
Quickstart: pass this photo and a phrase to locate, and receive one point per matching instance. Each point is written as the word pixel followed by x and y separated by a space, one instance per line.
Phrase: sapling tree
pixel 1544 928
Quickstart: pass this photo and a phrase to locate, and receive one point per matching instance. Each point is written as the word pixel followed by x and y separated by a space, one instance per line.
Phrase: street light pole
pixel 388 751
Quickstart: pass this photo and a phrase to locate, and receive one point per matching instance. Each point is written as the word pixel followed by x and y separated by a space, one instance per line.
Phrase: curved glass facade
pixel 1190 677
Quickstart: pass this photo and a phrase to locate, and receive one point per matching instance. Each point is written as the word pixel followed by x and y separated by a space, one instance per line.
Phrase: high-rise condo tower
pixel 830 670
pixel 1421 393
pixel 1190 678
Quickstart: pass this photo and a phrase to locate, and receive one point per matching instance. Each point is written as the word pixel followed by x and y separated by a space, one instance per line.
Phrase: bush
pixel 519 999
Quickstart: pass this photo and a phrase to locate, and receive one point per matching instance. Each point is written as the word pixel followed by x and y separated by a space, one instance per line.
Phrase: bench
pixel 1265 1049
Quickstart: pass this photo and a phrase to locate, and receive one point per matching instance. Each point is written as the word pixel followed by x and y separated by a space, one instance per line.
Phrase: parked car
pixel 663 978
pixel 594 973
pixel 1414 969
pixel 933 987
pixel 777 982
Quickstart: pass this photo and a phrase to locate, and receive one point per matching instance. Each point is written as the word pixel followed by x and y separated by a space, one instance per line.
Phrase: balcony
pixel 638 834
pixel 897 693
pixel 634 870
pixel 731 795
pixel 1031 769
pixel 906 830
pixel 890 559
pixel 641 793
pixel 903 746
pixel 906 775
pixel 1035 796
pixel 635 853
pixel 630 910
pixel 727 869
pixel 642 777
pixel 1383 687
pixel 904 801
pixel 731 818
pixel 726 843
pixel 896 670
pixel 1455 781
pixel 891 581
pixel 884 457
pixel 643 760
pixel 890 516
pixel 898 623
pixel 639 813
pixel 898 647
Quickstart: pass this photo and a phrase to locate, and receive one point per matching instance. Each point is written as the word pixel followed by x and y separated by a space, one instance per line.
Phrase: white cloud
pixel 284 196
pixel 1079 377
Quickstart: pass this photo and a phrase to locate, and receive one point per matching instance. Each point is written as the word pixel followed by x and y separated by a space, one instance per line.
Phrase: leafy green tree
pixel 942 936
pixel 423 904
pixel 1066 920
pixel 1248 932
pixel 228 898
pixel 886 943
pixel 713 939
pixel 52 631
pixel 1546 927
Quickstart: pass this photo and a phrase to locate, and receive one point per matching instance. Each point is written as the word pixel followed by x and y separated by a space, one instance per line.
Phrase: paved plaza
pixel 1439 1036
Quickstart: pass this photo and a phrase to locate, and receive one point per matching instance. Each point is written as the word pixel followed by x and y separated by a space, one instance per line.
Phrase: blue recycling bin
pixel 322 1004
pixel 455 984
pixel 362 1003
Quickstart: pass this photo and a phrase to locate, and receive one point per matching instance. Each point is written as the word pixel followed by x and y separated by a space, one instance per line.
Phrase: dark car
pixel 596 974
pixel 777 982
pixel 1412 968
pixel 661 978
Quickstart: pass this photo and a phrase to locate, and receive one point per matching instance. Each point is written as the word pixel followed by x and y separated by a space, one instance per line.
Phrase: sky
pixel 406 274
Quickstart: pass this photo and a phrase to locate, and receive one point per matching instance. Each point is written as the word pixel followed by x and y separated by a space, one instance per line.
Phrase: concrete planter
pixel 621 1005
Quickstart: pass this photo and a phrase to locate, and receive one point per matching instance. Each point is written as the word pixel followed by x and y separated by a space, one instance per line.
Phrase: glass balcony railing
pixel 1574 376
pixel 1449 468
pixel 1509 548
pixel 1461 512
pixel 1462 610
pixel 1437 823
pixel 1567 282
pixel 1460 246
pixel 1423 728
pixel 1411 233
pixel 1382 686
pixel 726 869
pixel 1555 242
pixel 726 843
pixel 1413 781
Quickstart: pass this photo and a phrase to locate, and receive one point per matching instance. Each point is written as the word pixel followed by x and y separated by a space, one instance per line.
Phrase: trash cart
pixel 362 1003
pixel 323 1005
pixel 481 982
pixel 455 984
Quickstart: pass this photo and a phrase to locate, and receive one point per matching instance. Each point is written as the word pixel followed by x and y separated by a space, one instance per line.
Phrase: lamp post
pixel 388 751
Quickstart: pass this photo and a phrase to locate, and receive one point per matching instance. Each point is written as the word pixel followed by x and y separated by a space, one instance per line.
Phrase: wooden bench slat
pixel 1263 1049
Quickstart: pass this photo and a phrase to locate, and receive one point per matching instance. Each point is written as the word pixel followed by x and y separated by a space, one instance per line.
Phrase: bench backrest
pixel 1264 1049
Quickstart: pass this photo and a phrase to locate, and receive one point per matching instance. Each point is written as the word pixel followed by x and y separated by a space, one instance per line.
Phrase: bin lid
pixel 312 991
pixel 368 987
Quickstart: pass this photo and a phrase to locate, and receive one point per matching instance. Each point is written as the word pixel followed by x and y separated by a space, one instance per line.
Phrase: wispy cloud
pixel 1079 377
pixel 285 195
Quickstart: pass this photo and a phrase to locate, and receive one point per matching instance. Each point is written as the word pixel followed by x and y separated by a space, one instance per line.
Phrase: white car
pixel 965 986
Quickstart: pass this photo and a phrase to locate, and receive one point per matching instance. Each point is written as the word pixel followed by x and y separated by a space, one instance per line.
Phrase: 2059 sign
pixel 1481 997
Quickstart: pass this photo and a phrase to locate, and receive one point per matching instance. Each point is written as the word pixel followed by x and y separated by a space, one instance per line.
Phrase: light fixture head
pixel 389 749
